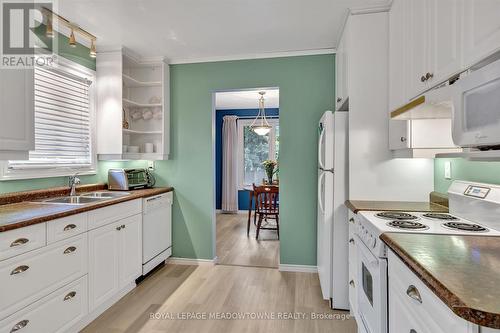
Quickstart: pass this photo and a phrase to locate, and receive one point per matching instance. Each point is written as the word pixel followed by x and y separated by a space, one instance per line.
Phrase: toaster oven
pixel 129 179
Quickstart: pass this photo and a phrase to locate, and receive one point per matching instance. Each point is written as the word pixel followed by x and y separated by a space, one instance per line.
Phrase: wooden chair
pixel 266 207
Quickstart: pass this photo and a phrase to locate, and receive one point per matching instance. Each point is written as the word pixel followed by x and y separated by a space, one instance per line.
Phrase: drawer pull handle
pixel 413 293
pixel 69 227
pixel 19 241
pixel 19 325
pixel 20 269
pixel 351 240
pixel 352 283
pixel 119 228
pixel 351 220
pixel 123 226
pixel 413 331
pixel 70 249
pixel 70 295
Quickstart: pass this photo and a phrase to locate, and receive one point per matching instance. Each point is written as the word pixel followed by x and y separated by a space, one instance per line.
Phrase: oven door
pixel 372 290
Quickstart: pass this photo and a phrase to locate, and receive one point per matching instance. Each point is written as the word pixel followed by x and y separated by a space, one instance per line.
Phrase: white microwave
pixel 476 108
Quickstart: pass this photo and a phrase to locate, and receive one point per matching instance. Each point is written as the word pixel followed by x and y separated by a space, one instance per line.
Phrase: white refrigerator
pixel 332 251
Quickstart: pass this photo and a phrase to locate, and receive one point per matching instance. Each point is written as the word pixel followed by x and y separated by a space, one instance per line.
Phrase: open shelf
pixel 129 131
pixel 129 103
pixel 130 82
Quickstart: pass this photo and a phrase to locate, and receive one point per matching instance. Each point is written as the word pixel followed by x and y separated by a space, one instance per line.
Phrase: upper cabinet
pixel 133 115
pixel 17 111
pixel 341 71
pixel 481 29
pixel 433 43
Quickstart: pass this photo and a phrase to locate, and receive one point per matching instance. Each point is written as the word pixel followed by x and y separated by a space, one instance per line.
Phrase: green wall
pixel 461 169
pixel 306 90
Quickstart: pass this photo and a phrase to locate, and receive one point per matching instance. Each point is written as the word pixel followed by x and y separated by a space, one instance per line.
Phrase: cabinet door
pixel 399 134
pixel 445 39
pixel 130 249
pixel 339 75
pixel 481 29
pixel 397 54
pixel 17 110
pixel 104 259
pixel 417 47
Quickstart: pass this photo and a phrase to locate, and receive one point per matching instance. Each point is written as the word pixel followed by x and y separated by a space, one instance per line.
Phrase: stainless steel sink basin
pixel 104 194
pixel 74 200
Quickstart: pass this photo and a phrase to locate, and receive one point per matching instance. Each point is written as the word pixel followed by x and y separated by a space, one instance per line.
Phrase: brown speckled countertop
pixel 20 209
pixel 402 206
pixel 463 271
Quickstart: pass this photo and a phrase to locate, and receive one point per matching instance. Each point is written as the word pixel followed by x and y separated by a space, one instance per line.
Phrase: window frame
pixel 58 171
pixel 272 147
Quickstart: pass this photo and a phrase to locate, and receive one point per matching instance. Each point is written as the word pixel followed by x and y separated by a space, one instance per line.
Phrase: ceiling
pixel 246 99
pixel 202 30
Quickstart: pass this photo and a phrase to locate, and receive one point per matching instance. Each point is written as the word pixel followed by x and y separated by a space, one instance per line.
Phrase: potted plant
pixel 269 166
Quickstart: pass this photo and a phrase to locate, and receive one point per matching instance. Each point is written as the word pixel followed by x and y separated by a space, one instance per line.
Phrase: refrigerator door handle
pixel 320 158
pixel 320 203
pixel 327 170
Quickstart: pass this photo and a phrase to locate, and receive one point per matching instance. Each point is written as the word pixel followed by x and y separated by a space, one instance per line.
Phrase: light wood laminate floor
pixel 175 291
pixel 235 248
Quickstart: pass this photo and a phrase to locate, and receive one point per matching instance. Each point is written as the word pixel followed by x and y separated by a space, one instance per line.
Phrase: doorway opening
pixel 246 154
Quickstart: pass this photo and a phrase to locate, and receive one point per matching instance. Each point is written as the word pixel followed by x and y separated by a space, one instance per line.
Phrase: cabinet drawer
pixel 106 215
pixel 29 277
pixel 438 318
pixel 22 240
pixel 57 312
pixel 66 227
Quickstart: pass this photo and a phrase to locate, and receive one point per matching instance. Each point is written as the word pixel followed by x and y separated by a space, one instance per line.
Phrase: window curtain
pixel 230 164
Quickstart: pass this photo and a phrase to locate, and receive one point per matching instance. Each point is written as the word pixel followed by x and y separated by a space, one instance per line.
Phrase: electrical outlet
pixel 151 165
pixel 447 170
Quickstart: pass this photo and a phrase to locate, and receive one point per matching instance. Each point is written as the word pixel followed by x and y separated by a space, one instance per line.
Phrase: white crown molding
pixel 298 268
pixel 363 10
pixel 265 55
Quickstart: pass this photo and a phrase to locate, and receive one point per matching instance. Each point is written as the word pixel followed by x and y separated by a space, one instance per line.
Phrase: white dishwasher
pixel 156 230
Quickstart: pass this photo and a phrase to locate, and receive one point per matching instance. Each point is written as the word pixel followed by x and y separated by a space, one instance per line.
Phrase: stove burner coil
pixel 440 216
pixel 407 225
pixel 464 226
pixel 400 216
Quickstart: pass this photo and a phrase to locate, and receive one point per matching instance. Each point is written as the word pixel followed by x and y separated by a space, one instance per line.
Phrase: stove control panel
pixel 477 191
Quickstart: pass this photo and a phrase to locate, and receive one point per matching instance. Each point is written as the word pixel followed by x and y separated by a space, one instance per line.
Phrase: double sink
pixel 86 198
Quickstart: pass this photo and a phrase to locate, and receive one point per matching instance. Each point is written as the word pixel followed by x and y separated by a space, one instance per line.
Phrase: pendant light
pixel 49 30
pixel 72 39
pixel 93 52
pixel 260 124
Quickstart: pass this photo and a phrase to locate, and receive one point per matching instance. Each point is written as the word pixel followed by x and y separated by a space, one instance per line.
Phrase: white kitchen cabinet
pixel 115 258
pixel 433 43
pixel 353 295
pixel 418 46
pixel 130 244
pixel 17 111
pixel 342 71
pixel 398 71
pixel 445 39
pixel 413 307
pixel 55 313
pixel 133 107
pixel 104 260
pixel 481 29
pixel 420 138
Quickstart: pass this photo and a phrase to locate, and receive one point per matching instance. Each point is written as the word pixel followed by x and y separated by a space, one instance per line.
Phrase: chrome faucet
pixel 73 181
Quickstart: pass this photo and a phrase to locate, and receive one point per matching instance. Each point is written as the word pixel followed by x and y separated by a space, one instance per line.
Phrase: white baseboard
pixel 298 268
pixel 190 261
pixel 240 211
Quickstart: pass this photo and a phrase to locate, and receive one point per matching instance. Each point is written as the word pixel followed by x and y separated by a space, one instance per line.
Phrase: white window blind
pixel 62 121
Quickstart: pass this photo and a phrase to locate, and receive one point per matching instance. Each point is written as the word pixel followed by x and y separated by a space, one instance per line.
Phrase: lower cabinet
pixel 115 258
pixel 415 308
pixel 57 312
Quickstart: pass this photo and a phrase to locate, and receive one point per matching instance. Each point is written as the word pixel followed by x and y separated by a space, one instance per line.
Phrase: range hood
pixel 434 104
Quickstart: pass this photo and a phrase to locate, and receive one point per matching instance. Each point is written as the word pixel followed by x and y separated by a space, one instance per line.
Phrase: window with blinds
pixel 62 121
